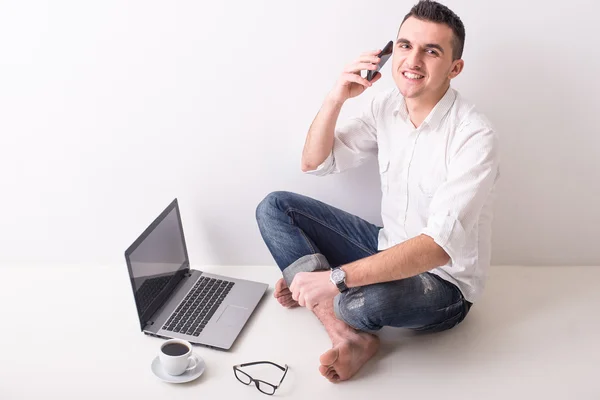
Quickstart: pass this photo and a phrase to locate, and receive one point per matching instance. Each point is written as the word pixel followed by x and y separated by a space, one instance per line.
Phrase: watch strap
pixel 342 287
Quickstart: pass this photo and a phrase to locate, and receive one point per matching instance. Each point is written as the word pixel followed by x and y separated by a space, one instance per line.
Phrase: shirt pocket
pixel 384 171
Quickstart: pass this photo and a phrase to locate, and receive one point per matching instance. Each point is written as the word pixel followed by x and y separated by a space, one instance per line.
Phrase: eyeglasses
pixel 265 387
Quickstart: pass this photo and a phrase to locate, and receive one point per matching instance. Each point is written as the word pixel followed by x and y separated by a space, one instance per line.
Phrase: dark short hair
pixel 432 11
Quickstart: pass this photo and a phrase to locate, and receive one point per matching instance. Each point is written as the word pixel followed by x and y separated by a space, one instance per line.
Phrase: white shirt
pixel 438 179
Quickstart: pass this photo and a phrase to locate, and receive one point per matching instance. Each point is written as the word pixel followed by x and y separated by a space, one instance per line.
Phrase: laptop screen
pixel 157 262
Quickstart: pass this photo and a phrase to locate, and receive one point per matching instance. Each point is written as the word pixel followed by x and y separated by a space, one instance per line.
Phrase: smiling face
pixel 423 62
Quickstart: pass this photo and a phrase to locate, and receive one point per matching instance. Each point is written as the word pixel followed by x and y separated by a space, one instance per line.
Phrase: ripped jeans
pixel 304 234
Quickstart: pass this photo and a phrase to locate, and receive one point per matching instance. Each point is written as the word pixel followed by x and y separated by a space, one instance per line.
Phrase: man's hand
pixel 350 83
pixel 311 288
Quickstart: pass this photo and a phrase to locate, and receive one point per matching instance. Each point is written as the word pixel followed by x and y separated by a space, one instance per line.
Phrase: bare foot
pixel 347 356
pixel 283 295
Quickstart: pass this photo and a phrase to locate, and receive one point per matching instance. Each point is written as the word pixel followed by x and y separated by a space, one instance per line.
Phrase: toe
pixel 284 301
pixel 323 370
pixel 287 301
pixel 290 304
pixel 280 285
pixel 329 357
pixel 284 292
pixel 333 377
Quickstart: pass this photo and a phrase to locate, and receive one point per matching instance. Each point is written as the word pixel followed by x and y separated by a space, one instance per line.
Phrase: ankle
pixel 345 334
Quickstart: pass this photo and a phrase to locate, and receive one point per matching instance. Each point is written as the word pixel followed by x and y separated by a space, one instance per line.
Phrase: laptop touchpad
pixel 233 316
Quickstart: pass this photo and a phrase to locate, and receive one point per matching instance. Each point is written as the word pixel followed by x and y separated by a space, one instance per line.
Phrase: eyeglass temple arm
pixel 284 374
pixel 261 362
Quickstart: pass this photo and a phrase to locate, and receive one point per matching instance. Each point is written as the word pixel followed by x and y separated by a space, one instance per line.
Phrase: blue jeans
pixel 304 234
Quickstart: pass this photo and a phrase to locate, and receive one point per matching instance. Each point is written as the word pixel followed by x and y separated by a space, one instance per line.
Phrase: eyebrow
pixel 428 45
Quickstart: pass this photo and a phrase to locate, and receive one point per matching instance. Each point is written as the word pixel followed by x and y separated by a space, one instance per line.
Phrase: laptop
pixel 174 301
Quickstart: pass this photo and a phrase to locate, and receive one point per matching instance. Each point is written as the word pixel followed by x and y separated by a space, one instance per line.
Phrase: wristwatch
pixel 338 278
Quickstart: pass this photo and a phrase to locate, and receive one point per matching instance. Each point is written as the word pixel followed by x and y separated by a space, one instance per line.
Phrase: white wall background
pixel 109 109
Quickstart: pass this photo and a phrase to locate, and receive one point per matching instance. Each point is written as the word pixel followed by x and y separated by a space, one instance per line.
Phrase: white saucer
pixel 187 376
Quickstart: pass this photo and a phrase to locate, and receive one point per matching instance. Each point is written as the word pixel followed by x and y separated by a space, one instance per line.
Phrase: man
pixel 438 163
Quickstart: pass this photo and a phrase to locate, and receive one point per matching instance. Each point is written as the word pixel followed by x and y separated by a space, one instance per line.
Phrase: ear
pixel 457 67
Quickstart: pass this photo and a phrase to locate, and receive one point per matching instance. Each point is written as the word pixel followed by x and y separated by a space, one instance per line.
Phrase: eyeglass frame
pixel 236 368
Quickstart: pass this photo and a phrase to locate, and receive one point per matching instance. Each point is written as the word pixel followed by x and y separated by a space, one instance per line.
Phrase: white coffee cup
pixel 176 357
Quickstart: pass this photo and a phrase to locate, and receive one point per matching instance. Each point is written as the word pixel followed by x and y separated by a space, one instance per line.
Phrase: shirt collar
pixel 435 115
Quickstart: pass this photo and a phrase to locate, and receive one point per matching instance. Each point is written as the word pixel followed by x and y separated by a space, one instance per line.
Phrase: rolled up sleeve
pixel 456 205
pixel 355 141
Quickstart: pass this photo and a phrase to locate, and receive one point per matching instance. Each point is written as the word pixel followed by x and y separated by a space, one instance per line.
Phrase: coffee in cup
pixel 176 357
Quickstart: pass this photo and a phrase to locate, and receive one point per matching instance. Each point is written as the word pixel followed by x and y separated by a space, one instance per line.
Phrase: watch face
pixel 338 275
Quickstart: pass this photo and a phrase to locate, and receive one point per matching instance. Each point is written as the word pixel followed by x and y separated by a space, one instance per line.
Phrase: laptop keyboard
pixel 194 312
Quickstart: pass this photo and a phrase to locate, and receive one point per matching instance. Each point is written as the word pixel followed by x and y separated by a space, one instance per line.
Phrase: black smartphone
pixel 384 55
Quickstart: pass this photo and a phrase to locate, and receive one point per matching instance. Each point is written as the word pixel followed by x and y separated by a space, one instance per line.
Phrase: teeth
pixel 412 76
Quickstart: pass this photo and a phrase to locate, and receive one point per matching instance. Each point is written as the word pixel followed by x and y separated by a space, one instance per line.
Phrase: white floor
pixel 534 335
